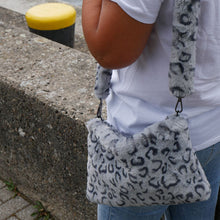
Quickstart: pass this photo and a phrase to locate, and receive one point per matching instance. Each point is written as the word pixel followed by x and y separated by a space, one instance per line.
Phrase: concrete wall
pixel 46 95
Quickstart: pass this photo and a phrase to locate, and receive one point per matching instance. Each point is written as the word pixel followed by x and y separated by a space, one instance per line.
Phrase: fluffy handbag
pixel 158 165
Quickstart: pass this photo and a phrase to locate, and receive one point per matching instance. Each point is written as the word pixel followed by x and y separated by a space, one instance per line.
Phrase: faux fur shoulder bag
pixel 157 165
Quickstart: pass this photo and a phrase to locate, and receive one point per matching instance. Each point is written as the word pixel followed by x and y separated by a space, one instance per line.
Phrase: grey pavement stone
pixel 11 207
pixel 25 214
pixel 5 194
pixel 13 218
pixel 2 184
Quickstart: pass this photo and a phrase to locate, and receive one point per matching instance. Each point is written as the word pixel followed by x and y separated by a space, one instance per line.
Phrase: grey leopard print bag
pixel 158 165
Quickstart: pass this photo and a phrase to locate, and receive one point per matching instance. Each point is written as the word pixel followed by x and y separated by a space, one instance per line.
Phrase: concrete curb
pixel 14 208
pixel 46 95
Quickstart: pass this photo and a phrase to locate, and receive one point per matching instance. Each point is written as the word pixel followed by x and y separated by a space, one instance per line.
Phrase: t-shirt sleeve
pixel 145 11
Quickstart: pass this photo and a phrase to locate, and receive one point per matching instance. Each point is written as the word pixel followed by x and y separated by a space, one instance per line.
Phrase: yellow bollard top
pixel 50 16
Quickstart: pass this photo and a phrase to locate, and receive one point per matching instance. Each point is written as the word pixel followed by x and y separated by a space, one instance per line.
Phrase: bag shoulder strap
pixel 183 50
pixel 182 60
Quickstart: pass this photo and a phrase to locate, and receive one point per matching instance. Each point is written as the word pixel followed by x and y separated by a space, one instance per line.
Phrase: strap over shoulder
pixel 102 82
pixel 183 52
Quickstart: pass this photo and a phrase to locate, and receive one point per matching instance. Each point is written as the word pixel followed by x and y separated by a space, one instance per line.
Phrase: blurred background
pixel 22 6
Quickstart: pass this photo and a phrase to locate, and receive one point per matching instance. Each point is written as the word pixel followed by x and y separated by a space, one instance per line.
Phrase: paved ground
pixel 14 208
pixel 22 6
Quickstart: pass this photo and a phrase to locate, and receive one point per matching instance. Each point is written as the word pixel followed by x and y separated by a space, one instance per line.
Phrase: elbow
pixel 111 55
pixel 113 60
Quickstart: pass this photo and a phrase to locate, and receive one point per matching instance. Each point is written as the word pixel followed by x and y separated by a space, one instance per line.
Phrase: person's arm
pixel 114 38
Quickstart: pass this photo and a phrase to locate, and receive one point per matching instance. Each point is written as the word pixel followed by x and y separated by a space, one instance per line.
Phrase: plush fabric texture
pixel 102 82
pixel 155 166
pixel 183 54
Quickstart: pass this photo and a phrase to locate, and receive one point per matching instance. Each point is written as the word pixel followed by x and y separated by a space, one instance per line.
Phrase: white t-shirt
pixel 140 95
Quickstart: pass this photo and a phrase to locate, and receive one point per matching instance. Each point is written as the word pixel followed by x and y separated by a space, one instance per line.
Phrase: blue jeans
pixel 210 160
